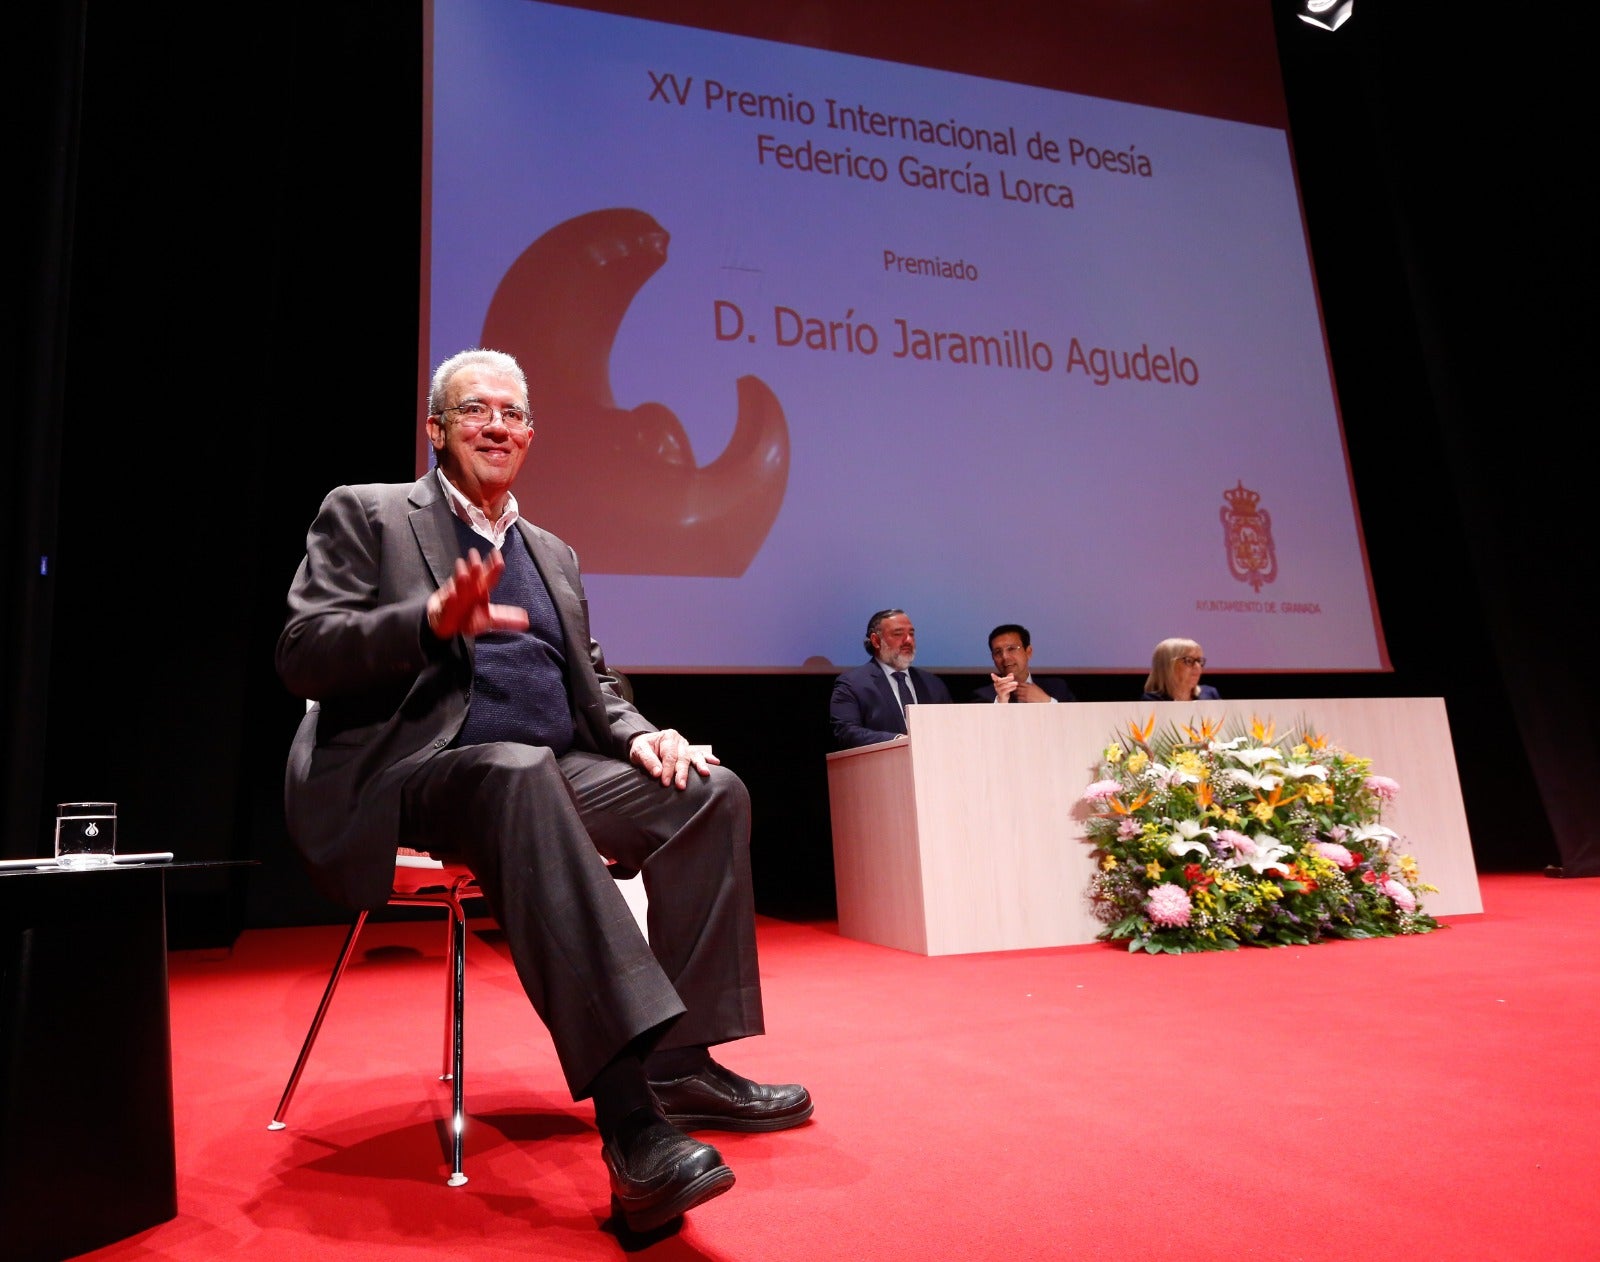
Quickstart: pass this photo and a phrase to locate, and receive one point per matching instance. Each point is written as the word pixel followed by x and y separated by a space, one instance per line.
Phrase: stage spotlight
pixel 1330 15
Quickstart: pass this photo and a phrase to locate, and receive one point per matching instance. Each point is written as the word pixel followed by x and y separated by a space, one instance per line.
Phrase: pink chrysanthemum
pixel 1335 853
pixel 1382 787
pixel 1403 898
pixel 1100 790
pixel 1168 906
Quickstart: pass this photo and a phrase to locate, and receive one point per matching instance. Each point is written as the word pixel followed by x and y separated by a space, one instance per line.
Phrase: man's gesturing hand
pixel 461 606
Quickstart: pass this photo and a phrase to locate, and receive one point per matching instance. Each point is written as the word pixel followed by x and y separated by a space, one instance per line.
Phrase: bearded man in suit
pixel 869 702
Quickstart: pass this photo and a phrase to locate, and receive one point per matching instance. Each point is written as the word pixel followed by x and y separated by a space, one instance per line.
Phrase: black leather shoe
pixel 719 1099
pixel 658 1173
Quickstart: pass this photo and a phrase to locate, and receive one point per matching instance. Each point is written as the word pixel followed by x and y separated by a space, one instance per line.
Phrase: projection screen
pixel 810 333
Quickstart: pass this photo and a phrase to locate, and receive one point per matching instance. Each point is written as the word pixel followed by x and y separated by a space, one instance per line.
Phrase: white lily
pixel 1191 839
pixel 1177 775
pixel 1266 854
pixel 1255 757
pixel 1193 828
pixel 1305 771
pixel 1376 834
pixel 1266 782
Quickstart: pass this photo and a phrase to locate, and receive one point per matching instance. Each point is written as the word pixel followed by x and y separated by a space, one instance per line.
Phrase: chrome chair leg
pixel 447 1054
pixel 458 1121
pixel 278 1123
pixel 416 885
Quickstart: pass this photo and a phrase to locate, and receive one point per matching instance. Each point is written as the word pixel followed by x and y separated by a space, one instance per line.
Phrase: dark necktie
pixel 903 687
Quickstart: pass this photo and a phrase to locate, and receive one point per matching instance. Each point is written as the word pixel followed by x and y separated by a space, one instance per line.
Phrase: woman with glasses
pixel 1175 669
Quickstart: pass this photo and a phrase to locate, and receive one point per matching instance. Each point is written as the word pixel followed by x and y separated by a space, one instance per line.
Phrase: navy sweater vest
pixel 519 678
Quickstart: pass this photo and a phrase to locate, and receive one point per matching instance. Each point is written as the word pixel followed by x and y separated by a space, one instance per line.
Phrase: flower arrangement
pixel 1209 840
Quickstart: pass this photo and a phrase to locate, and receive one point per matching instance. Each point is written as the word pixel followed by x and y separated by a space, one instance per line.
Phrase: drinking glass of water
pixel 86 834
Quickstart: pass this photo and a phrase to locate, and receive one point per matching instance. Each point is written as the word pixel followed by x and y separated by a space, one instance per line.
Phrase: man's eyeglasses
pixel 474 414
pixel 1193 661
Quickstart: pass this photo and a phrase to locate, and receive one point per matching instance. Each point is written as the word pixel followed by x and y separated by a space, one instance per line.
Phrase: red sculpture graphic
pixel 622 486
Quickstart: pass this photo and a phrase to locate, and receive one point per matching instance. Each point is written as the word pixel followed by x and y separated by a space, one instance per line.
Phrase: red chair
pixel 419 881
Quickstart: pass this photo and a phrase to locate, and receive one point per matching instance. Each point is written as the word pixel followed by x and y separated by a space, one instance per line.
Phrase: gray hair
pixel 499 361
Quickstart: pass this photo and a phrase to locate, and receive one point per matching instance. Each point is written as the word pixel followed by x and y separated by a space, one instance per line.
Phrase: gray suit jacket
pixel 389 695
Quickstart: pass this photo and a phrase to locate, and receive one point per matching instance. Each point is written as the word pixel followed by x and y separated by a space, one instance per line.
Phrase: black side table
pixel 86 1133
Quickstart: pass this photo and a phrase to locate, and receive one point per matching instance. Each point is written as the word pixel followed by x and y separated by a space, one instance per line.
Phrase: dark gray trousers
pixel 530 824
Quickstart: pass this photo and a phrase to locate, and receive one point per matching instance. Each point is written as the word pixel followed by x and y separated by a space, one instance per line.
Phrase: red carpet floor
pixel 1423 1099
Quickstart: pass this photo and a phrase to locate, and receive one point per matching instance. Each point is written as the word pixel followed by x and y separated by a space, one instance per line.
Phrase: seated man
pixel 868 703
pixel 1011 648
pixel 490 729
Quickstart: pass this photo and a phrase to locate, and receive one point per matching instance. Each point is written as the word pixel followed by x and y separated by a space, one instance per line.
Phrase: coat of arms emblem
pixel 1247 528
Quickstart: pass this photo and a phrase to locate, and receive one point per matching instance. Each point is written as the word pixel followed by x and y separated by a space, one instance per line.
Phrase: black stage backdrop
pixel 211 320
